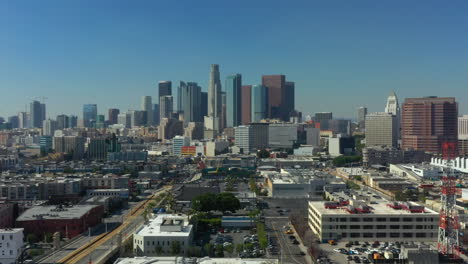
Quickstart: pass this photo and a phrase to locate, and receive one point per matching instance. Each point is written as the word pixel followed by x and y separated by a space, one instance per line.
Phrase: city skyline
pixel 92 61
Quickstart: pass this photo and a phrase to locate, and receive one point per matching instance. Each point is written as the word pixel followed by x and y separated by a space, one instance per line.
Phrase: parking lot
pixel 235 237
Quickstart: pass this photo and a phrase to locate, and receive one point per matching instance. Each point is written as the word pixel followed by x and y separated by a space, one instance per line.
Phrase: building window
pixel 355 235
pixel 367 227
pixel 381 235
pixel 407 235
pixel 354 227
pixel 381 227
pixel 381 219
pixel 394 227
pixel 407 219
pixel 368 219
pixel 394 219
pixel 420 235
pixel 368 235
pixel 407 227
pixel 394 234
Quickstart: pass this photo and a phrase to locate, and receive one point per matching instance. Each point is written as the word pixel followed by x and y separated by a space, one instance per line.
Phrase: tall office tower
pixel 97 149
pixel 381 130
pixel 177 143
pixel 169 128
pixel 49 126
pixel 73 145
pixel 156 114
pixel 14 121
pixel 204 104
pixel 259 103
pixel 43 112
pixel 23 119
pixel 100 121
pixel 276 85
pixel 165 107
pixel 125 119
pixel 113 115
pixel 35 113
pixel 194 130
pixel 214 99
pixel 222 123
pixel 73 119
pixel 428 122
pixel 233 100
pixel 463 135
pixel 323 116
pixel 190 97
pixel 138 118
pixel 147 105
pixel 290 101
pixel 361 116
pixel 89 114
pixel 393 108
pixel 63 122
pixel 246 112
pixel 164 88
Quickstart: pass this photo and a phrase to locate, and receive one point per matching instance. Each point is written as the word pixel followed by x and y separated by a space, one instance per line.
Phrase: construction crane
pixel 448 238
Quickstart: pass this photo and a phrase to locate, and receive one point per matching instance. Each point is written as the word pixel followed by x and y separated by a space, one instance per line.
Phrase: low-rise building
pixel 161 233
pixel 183 260
pixel 70 221
pixel 387 222
pixel 459 163
pixel 11 242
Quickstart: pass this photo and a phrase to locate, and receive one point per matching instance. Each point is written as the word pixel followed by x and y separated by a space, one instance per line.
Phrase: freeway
pixel 102 245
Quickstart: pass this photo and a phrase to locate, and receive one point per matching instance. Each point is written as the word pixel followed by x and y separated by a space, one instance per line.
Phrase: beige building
pixel 381 130
pixel 380 222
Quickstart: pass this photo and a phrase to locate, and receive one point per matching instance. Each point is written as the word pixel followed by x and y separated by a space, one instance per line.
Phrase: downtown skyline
pixel 115 59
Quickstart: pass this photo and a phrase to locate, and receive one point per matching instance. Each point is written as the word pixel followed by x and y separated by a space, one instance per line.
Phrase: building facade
pixel 89 114
pixel 259 103
pixel 233 100
pixel 381 130
pixel 11 244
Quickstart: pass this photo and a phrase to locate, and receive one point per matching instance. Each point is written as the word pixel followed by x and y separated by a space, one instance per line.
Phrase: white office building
pixel 11 244
pixel 382 221
pixel 161 233
pixel 459 163
pixel 178 142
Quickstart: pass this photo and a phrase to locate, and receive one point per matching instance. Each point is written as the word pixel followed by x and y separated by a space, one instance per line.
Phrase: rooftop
pixel 161 226
pixel 182 260
pixel 55 212
pixel 380 208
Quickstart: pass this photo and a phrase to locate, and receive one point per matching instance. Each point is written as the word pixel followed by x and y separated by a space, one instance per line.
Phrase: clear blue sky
pixel 341 54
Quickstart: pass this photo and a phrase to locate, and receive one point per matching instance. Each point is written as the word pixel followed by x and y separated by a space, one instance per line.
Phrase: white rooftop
pixel 380 208
pixel 55 212
pixel 162 225
pixel 182 260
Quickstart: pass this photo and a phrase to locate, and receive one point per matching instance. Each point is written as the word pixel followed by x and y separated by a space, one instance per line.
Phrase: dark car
pixel 295 242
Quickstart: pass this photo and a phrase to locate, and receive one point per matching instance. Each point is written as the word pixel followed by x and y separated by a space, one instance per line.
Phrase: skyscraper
pixel 73 121
pixel 164 88
pixel 49 127
pixel 165 106
pixel 204 104
pixel 43 112
pixel 89 114
pixel 156 114
pixel 138 118
pixel 290 100
pixel 259 103
pixel 23 120
pixel 393 108
pixel 246 112
pixel 214 98
pixel 361 116
pixel 35 113
pixel 62 121
pixel 233 100
pixel 14 121
pixel 190 97
pixel 147 105
pixel 429 122
pixel 276 85
pixel 113 115
pixel 321 117
pixel 125 119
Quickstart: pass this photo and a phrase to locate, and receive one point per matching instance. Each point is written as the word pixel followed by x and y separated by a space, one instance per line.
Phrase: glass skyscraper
pixel 89 114
pixel 259 100
pixel 233 100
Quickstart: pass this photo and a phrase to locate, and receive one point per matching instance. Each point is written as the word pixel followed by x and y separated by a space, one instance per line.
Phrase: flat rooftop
pixel 54 212
pixel 182 260
pixel 380 208
pixel 153 228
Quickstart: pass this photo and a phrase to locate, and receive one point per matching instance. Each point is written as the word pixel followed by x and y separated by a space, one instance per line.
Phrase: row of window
pixel 384 235
pixel 406 227
pixel 159 243
pixel 379 219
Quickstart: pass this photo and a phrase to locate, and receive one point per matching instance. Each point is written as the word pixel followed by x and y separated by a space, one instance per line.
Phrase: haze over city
pixel 340 54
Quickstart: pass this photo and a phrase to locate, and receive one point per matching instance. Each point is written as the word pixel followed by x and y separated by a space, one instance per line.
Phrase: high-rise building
pixel 113 115
pixel 194 130
pixel 463 135
pixel 165 107
pixel 138 118
pixel 259 102
pixel 429 122
pixel 35 113
pixel 169 128
pixel 381 130
pixel 100 121
pixel 282 135
pixel 190 97
pixel 164 88
pixel 97 149
pixel 125 119
pixel 156 114
pixel 361 116
pixel 14 121
pixel 23 120
pixel 177 143
pixel 252 137
pixel 63 122
pixel 45 144
pixel 204 104
pixel 233 100
pixel 290 101
pixel 276 85
pixel 323 116
pixel 73 121
pixel 393 108
pixel 246 105
pixel 147 105
pixel 214 99
pixel 43 112
pixel 72 145
pixel 49 126
pixel 89 115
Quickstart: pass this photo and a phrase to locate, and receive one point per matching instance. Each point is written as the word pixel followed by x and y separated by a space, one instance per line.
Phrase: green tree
pixel 343 160
pixel 229 249
pixel 209 250
pixel 175 248
pixel 204 202
pixel 400 196
pixel 49 237
pixel 262 235
pixel 219 251
pixel 263 154
pixel 227 202
pixel 194 252
pixel 239 248
pixel 31 238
